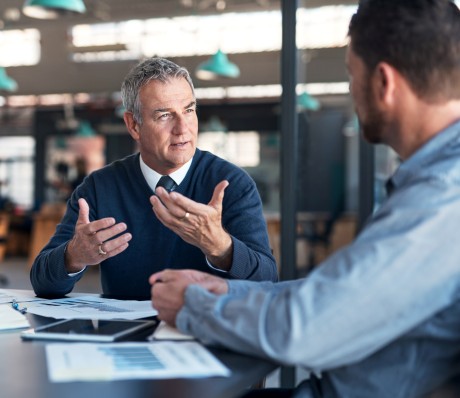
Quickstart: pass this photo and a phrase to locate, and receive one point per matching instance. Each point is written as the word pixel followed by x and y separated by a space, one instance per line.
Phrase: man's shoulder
pixel 208 161
pixel 127 163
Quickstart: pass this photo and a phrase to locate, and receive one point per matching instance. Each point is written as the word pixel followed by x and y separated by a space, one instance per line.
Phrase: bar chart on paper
pixel 161 360
pixel 132 358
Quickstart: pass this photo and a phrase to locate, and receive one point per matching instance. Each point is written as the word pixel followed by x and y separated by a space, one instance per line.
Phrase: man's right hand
pixel 92 239
pixel 168 289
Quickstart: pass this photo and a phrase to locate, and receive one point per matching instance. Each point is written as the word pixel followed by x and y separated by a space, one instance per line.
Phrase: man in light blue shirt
pixel 381 317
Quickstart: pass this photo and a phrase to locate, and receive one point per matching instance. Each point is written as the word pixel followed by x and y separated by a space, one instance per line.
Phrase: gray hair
pixel 150 69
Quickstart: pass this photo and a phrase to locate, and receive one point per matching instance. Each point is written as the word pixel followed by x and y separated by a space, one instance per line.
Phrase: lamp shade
pixel 6 82
pixel 52 9
pixel 217 66
pixel 120 111
pixel 85 129
pixel 308 103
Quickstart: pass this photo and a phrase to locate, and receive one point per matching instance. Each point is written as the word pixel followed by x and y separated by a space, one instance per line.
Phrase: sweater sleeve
pixel 244 220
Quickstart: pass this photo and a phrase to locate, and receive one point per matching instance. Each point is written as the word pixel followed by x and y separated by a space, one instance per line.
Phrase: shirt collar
pixel 152 177
pixel 436 148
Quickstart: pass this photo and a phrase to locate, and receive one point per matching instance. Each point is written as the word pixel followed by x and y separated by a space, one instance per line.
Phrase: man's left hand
pixel 196 223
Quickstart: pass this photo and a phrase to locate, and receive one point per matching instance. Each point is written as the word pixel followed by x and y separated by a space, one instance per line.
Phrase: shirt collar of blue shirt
pixel 433 150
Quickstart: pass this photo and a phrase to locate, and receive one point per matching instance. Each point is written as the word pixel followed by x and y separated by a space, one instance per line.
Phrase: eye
pixel 190 110
pixel 164 116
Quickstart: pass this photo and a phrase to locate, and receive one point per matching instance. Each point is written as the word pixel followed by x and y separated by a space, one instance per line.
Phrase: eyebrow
pixel 191 104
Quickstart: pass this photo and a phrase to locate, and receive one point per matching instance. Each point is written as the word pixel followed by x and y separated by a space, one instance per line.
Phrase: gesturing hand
pixel 92 241
pixel 196 223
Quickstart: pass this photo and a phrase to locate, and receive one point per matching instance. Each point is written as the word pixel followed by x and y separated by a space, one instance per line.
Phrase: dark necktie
pixel 167 183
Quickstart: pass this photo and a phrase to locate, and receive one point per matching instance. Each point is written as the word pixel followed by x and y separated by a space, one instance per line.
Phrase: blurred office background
pixel 61 114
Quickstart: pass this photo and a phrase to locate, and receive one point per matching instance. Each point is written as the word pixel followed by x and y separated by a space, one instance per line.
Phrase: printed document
pixel 21 296
pixel 11 319
pixel 122 361
pixel 92 307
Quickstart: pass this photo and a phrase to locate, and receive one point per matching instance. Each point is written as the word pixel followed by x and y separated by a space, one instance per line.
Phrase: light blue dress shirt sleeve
pixel 401 270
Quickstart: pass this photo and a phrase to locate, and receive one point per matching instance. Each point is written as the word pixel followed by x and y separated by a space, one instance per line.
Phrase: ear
pixel 132 125
pixel 385 79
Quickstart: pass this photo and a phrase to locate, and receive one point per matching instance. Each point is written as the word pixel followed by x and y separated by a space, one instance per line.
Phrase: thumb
pixel 218 195
pixel 83 214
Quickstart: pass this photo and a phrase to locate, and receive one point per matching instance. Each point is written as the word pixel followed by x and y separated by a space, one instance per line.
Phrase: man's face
pixel 168 133
pixel 371 119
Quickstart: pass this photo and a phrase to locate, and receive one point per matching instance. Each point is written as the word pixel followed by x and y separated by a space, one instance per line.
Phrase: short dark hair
pixel 420 38
pixel 145 71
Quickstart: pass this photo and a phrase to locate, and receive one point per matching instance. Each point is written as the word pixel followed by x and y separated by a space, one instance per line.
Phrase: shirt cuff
pixel 214 268
pixel 73 273
pixel 76 273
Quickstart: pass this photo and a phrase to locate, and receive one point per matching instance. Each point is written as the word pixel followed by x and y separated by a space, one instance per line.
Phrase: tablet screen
pixel 87 330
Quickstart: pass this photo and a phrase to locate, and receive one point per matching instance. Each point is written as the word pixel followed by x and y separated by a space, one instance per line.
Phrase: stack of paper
pixel 165 332
pixel 11 319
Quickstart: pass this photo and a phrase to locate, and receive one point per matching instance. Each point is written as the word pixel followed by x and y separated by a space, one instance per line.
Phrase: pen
pixel 15 306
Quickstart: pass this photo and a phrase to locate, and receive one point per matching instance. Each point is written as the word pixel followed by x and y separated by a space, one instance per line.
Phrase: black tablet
pixel 87 330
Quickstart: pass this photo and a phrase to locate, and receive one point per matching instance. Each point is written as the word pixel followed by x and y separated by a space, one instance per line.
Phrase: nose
pixel 181 125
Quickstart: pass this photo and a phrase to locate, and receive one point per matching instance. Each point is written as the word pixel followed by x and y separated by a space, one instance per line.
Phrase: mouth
pixel 180 144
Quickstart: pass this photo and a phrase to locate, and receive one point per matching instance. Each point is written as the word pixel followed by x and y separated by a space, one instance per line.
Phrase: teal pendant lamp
pixel 6 82
pixel 120 111
pixel 306 102
pixel 217 66
pixel 52 9
pixel 85 130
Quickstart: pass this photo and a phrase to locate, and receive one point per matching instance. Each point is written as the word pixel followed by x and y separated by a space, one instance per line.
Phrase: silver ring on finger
pixel 187 215
pixel 101 251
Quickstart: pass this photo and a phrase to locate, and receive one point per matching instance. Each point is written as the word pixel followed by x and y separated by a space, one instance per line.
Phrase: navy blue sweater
pixel 119 190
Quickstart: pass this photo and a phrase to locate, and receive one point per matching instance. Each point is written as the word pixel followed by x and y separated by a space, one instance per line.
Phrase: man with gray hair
pixel 109 218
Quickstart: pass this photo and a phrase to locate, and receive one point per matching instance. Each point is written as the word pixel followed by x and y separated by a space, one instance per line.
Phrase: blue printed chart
pixel 122 361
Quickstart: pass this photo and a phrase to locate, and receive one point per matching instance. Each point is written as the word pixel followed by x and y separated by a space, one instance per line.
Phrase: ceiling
pixel 115 10
pixel 56 73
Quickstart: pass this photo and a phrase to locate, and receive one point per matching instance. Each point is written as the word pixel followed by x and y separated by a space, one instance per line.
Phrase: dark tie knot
pixel 167 183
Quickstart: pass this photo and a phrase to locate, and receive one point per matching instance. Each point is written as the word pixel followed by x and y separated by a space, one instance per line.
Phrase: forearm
pixel 252 264
pixel 334 317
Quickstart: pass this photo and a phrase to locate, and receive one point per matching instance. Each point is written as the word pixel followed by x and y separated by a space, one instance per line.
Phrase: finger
pixel 162 212
pixel 117 250
pixel 179 205
pixel 170 203
pixel 156 277
pixel 218 195
pixel 161 276
pixel 83 213
pixel 112 245
pixel 106 232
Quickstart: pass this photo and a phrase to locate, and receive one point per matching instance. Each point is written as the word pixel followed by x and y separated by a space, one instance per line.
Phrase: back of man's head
pixel 420 38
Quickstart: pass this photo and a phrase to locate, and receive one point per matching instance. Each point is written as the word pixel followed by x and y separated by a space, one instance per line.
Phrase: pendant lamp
pixel 214 124
pixel 6 82
pixel 306 102
pixel 52 9
pixel 217 66
pixel 85 129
